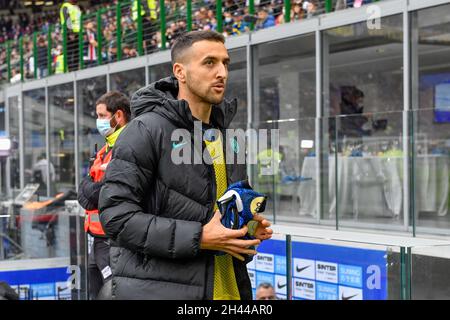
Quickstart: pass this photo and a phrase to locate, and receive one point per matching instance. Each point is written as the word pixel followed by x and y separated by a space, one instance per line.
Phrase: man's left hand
pixel 261 227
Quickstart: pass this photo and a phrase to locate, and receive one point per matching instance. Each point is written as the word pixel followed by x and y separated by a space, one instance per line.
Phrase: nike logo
pixel 281 286
pixel 178 145
pixel 301 269
pixel 349 297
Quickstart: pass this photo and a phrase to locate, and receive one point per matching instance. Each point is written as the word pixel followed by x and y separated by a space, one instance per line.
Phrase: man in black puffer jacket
pixel 7 293
pixel 161 216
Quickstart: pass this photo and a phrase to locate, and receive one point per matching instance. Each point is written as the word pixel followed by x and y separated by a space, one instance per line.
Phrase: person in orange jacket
pixel 113 114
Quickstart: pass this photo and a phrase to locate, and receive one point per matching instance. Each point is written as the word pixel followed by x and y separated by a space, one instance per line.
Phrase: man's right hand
pixel 216 237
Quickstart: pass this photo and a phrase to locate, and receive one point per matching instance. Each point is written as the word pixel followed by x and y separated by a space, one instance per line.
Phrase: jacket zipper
pixel 212 178
pixel 211 175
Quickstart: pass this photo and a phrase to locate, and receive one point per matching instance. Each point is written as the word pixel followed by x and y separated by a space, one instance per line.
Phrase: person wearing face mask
pixel 113 114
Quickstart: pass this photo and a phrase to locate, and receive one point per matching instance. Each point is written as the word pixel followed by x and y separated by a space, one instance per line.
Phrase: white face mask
pixel 104 126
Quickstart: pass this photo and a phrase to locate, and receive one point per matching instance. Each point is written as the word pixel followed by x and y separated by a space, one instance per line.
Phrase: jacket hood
pixel 160 97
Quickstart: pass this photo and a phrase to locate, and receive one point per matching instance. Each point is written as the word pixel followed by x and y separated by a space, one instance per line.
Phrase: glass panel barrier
pixel 285 77
pixel 264 170
pixel 430 119
pixel 284 93
pixel 269 267
pixel 37 167
pixel 429 272
pixel 369 175
pixel 159 71
pixel 296 183
pixel 367 186
pixel 364 62
pixel 42 248
pixel 431 169
pixel 13 132
pixel 286 169
pixel 61 131
pixel 314 268
pixel 128 82
pixel 237 86
pixel 342 270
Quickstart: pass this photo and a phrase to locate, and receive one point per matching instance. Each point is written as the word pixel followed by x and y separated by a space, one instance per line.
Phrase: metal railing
pixel 137 27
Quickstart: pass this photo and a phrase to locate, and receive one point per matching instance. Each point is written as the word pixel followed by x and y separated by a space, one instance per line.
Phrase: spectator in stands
pixel 129 30
pixel 228 23
pixel 150 15
pixel 297 12
pixel 310 7
pixel 239 25
pixel 155 43
pixel 230 6
pixel 91 37
pixel 42 59
pixel 15 75
pixel 29 58
pixel 58 60
pixel 265 20
pixel 128 51
pixel 171 34
pixel 276 8
pixel 236 21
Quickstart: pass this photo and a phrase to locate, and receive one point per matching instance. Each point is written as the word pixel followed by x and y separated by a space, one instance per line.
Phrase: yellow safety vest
pixel 75 17
pixel 151 6
pixel 59 64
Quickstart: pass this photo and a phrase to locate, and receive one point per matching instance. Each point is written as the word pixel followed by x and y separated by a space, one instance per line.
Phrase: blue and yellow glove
pixel 238 205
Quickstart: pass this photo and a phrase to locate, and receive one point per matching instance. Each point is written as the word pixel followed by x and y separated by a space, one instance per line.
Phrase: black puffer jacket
pixel 154 210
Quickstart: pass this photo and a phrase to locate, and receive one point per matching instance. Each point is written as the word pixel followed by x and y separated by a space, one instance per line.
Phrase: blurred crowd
pixel 11 28
pixel 236 19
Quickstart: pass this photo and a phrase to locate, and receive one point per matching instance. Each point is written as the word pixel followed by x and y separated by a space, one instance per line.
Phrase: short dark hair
pixel 186 40
pixel 115 100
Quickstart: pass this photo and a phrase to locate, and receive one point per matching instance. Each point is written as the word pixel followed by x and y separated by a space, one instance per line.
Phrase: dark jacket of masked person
pixel 154 210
